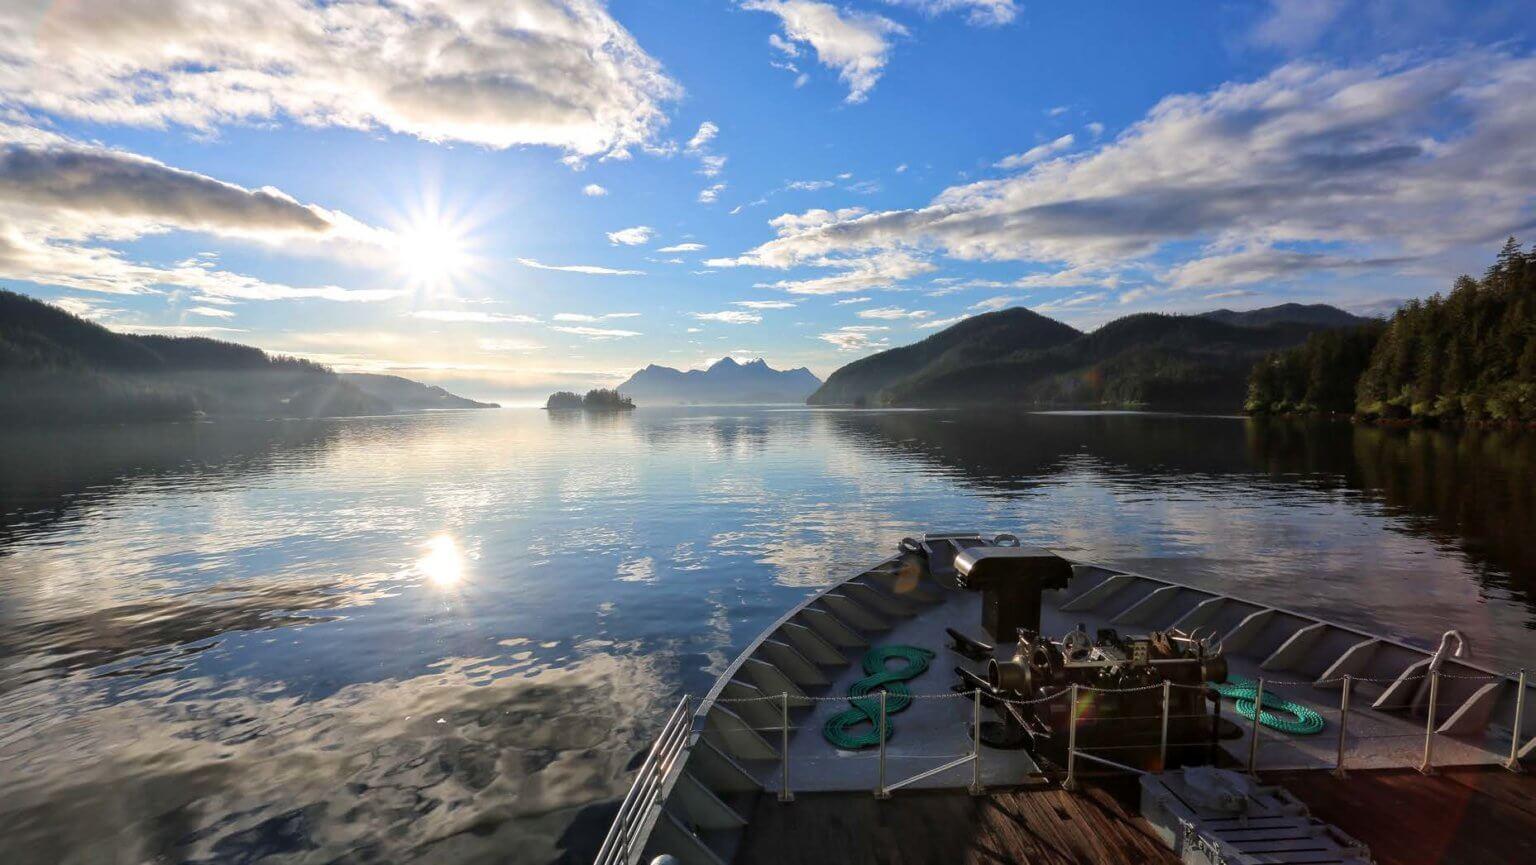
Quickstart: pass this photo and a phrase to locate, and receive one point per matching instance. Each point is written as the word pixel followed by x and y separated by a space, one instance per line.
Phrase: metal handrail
pixel 645 793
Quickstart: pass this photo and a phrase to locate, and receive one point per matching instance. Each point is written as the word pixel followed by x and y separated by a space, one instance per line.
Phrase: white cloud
pixel 710 164
pixel 856 44
pixel 471 316
pixel 902 168
pixel 993 304
pixel 44 260
pixel 942 322
pixel 983 13
pixel 513 346
pixel 590 269
pixel 855 337
pixel 1296 24
pixel 682 247
pixel 893 313
pixel 1356 158
pixel 710 194
pixel 808 185
pixel 779 42
pixel 1035 154
pixel 729 316
pixel 1094 128
pixel 560 73
pixel 851 300
pixel 633 236
pixel 179 329
pixel 210 312
pixel 607 316
pixel 592 190
pixel 764 304
pixel 707 132
pixel 597 333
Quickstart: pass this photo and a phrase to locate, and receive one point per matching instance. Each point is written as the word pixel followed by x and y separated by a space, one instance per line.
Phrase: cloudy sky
pixel 507 196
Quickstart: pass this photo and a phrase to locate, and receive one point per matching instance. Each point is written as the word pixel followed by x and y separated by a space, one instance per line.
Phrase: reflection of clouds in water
pixel 641 570
pixel 474 762
pixel 161 635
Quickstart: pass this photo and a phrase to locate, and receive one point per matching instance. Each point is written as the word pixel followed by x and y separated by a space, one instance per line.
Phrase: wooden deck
pixel 1467 816
pixel 1040 825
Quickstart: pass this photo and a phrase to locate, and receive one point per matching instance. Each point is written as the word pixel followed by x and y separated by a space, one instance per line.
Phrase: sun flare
pixel 432 253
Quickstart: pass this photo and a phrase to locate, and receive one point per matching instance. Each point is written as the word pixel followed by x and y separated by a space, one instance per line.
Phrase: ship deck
pixel 922 826
pixel 1468 816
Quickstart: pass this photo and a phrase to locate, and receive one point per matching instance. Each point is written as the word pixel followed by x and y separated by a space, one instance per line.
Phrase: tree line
pixel 1469 355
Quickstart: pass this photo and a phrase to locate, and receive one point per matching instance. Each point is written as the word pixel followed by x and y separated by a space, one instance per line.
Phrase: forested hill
pixel 1468 355
pixel 872 380
pixel 1017 357
pixel 56 367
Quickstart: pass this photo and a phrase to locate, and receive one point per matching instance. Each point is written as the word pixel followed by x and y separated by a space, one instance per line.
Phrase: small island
pixel 598 399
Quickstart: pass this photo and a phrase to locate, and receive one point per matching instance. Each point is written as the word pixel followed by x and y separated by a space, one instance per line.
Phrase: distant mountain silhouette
pixel 58 368
pixel 1018 357
pixel 1320 314
pixel 725 382
pixel 407 395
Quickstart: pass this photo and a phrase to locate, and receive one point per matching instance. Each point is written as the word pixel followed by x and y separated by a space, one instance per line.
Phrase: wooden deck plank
pixel 1457 817
pixel 1034 826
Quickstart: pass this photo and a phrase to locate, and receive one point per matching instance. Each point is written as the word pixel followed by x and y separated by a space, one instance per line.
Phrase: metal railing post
pixel 1428 767
pixel 1071 782
pixel 1338 767
pixel 880 791
pixel 784 793
pixel 976 788
pixel 1253 742
pixel 1162 751
pixel 1514 740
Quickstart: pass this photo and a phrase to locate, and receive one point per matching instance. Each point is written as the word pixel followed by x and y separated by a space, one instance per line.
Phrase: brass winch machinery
pixel 1120 706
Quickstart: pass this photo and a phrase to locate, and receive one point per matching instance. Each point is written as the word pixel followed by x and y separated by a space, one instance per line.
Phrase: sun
pixel 432 253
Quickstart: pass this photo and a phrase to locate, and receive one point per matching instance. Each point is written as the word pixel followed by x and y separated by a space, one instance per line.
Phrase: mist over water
pixel 446 637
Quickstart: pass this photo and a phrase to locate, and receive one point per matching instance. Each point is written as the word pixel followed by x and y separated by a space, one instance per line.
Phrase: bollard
pixel 1253 743
pixel 1428 766
pixel 1338 768
pixel 976 788
pixel 1162 753
pixel 1071 782
pixel 1514 740
pixel 784 793
pixel 880 791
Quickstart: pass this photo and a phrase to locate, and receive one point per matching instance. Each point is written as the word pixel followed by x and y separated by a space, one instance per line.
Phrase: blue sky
pixel 509 197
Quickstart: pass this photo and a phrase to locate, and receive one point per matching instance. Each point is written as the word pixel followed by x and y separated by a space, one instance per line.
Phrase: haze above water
pixel 444 637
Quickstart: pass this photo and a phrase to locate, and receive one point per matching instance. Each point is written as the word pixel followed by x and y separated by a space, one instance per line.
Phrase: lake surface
pixel 446 637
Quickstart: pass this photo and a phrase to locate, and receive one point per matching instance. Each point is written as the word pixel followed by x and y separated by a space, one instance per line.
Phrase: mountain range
pixel 726 381
pixel 1017 356
pixel 56 367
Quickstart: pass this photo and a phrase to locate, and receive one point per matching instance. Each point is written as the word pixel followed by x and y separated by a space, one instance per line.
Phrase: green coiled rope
pixel 1304 722
pixel 866 702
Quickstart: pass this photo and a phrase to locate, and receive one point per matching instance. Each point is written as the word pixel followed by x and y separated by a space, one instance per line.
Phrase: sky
pixel 508 197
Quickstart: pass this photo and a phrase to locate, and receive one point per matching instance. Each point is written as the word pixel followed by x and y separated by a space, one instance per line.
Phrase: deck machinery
pixel 1120 709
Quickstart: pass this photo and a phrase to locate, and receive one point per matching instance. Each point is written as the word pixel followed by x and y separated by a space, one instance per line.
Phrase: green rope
pixel 1305 722
pixel 866 708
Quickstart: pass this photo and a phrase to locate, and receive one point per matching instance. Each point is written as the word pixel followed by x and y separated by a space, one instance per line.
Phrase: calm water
pixel 443 638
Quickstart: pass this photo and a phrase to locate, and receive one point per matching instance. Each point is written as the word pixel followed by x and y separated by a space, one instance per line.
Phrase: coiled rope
pixel 1304 721
pixel 866 702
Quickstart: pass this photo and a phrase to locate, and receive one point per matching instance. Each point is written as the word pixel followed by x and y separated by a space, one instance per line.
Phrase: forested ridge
pixel 58 368
pixel 1018 357
pixel 1469 355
